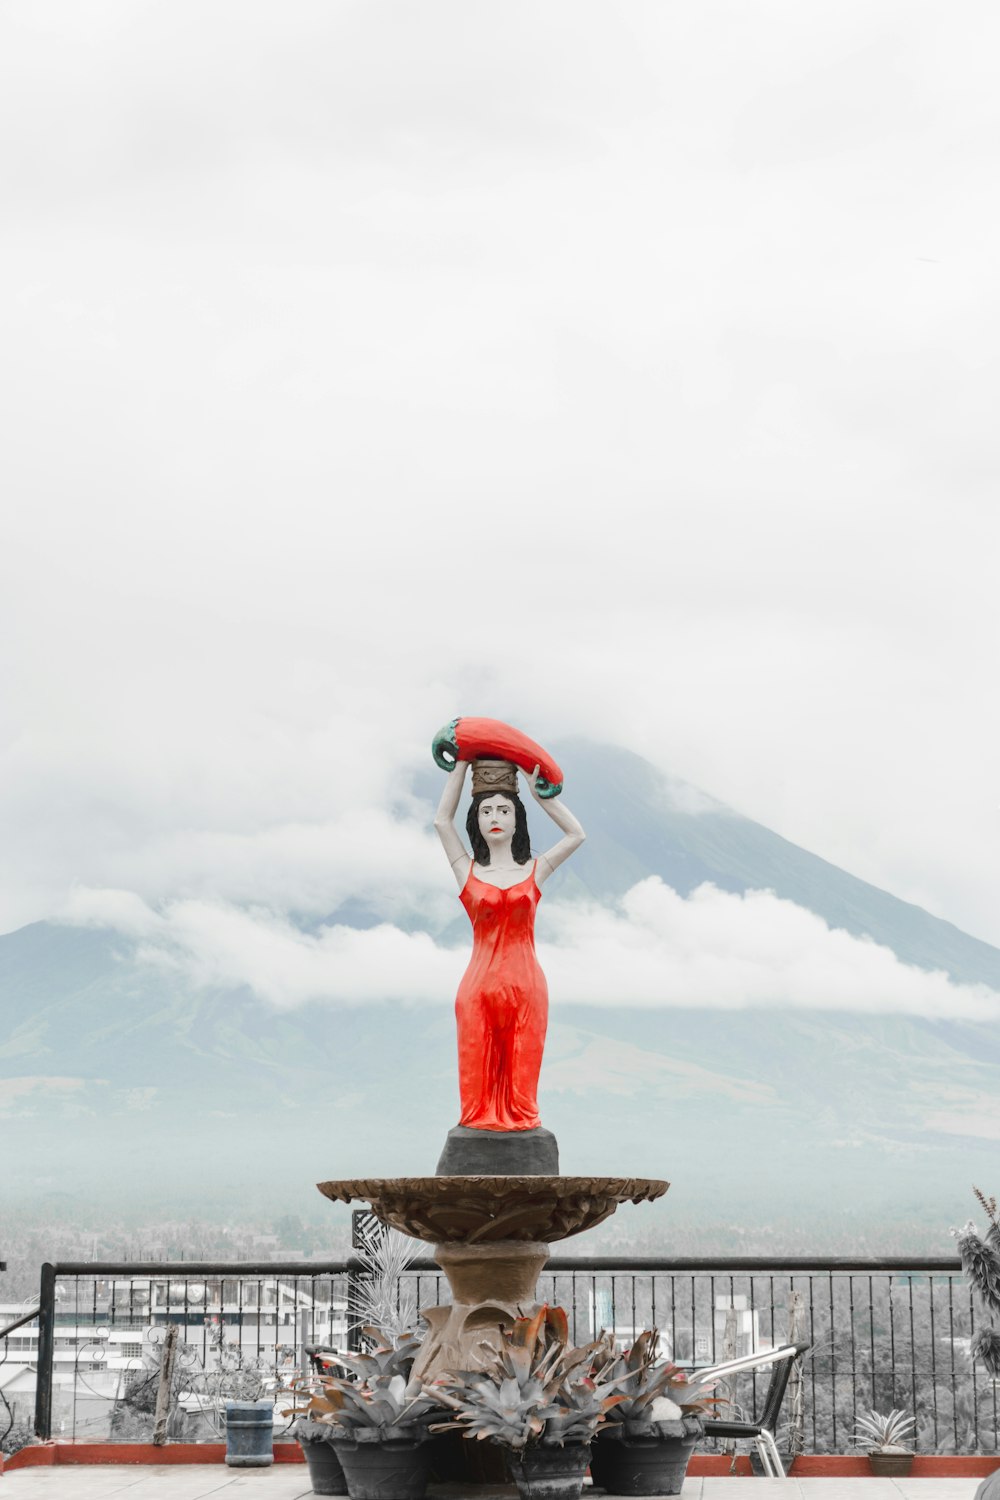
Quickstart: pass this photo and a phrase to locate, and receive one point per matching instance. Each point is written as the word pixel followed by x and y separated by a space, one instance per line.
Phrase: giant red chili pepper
pixel 489 739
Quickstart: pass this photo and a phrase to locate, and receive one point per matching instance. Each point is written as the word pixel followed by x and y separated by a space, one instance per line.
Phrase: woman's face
pixel 496 819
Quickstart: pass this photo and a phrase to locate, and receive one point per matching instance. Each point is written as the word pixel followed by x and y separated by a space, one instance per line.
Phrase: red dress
pixel 502 1008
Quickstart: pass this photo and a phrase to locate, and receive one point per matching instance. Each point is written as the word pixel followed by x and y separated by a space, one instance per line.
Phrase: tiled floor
pixel 291 1482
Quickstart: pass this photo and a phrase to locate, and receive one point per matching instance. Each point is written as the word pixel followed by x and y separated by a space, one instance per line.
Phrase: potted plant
pixel 234 1392
pixel 384 1310
pixel 648 1439
pixel 315 1437
pixel 379 1420
pixel 981 1264
pixel 539 1399
pixel 884 1440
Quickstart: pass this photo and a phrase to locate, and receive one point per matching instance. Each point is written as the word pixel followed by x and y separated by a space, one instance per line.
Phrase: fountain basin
pixel 479 1210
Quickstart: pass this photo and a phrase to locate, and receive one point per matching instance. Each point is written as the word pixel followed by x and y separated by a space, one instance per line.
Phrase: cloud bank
pixel 366 364
pixel 653 948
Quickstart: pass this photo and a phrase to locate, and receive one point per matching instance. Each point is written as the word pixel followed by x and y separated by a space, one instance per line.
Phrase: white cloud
pixel 654 948
pixel 980 1123
pixel 309 868
pixel 122 911
pixel 22 1095
pixel 719 949
pixel 362 369
pixel 228 946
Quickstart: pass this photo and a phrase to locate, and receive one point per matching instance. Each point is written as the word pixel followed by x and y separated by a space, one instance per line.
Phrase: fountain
pixel 491 1238
pixel 497 1201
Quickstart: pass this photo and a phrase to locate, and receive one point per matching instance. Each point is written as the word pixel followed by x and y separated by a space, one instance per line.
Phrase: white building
pixel 105 1340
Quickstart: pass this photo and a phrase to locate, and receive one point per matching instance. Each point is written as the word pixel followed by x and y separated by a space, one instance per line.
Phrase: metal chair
pixel 321 1359
pixel 762 1432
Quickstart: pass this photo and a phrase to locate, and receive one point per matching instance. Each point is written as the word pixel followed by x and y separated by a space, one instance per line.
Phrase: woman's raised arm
pixel 444 822
pixel 573 834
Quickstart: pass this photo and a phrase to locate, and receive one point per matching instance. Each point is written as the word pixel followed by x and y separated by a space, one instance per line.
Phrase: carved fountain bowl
pixel 479 1210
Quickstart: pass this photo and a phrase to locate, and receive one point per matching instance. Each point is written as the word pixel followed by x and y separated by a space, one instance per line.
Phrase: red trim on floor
pixel 136 1453
pixel 927 1466
pixel 701 1465
pixel 807 1465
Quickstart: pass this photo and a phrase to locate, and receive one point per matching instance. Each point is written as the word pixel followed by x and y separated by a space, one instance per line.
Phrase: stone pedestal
pixel 499 1153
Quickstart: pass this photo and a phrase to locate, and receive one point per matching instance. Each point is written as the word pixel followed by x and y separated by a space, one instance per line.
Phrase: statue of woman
pixel 502 1004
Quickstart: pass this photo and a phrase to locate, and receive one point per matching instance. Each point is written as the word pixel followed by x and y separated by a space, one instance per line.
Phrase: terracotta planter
pixel 624 1463
pixel 396 1469
pixel 550 1473
pixel 890 1465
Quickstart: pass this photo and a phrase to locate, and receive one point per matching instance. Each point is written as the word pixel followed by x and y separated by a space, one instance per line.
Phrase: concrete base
pixel 499 1153
pixel 491 1285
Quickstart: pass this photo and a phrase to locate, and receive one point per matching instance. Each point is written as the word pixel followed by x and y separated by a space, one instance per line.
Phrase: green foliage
pixel 658 1394
pixel 234 1376
pixel 380 1401
pixel 20 1432
pixel 880 1433
pixel 985 1347
pixel 378 1296
pixel 536 1387
pixel 309 1405
pixel 981 1264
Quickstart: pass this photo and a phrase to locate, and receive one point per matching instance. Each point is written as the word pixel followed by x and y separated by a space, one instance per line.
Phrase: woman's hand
pixel 533 783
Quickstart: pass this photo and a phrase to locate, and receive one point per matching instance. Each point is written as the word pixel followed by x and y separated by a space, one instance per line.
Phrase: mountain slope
pixel 640 822
pixel 120 1081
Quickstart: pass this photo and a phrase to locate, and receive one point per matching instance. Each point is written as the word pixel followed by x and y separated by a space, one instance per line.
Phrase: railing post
pixel 793 1399
pixel 354 1277
pixel 46 1352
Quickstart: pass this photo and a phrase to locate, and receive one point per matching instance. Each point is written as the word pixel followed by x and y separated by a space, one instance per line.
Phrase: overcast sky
pixel 629 370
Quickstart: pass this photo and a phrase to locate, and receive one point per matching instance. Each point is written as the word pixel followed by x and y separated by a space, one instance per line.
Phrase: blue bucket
pixel 249 1434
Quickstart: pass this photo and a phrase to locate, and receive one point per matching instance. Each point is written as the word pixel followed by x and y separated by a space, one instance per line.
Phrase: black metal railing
pixel 884 1333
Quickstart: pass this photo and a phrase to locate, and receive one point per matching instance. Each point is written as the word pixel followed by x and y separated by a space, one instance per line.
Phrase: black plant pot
pixel 393 1470
pixel 456 1459
pixel 326 1473
pixel 641 1464
pixel 550 1473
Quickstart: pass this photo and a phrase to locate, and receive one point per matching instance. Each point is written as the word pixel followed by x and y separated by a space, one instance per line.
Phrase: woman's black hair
pixel 520 844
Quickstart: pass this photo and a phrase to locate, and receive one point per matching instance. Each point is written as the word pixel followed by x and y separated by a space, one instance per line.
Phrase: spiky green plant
pixel 380 1401
pixel 877 1432
pixel 534 1389
pixel 378 1296
pixel 308 1404
pixel 657 1394
pixel 981 1263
